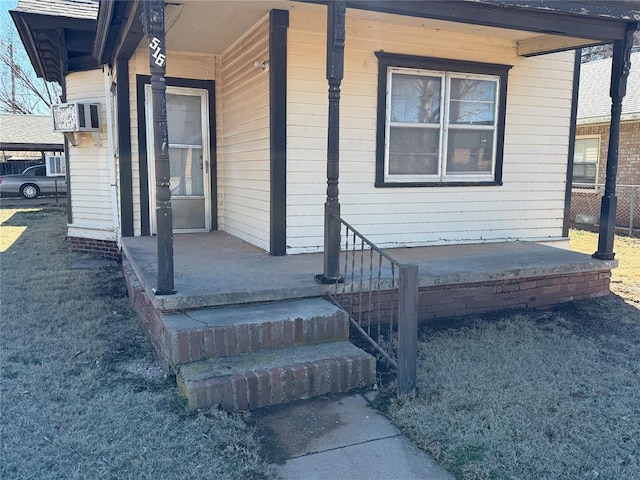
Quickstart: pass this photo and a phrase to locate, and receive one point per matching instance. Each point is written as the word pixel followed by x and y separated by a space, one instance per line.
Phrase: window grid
pixel 443 126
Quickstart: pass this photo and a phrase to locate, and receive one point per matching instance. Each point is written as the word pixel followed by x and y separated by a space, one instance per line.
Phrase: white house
pixel 453 128
pixel 419 123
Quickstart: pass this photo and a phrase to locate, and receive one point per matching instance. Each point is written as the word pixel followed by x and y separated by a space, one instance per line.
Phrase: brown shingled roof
pixel 28 129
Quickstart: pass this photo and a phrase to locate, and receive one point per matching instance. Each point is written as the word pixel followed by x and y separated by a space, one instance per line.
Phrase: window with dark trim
pixel 585 162
pixel 440 122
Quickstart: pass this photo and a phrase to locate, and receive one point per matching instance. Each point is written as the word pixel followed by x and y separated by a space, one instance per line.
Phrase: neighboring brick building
pixel 592 138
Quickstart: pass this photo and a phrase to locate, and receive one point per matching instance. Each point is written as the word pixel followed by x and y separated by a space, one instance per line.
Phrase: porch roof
pixel 537 26
pixel 213 269
pixel 64 35
pixel 57 35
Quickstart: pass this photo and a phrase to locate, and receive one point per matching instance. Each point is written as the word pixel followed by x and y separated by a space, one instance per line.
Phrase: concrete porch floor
pixel 213 269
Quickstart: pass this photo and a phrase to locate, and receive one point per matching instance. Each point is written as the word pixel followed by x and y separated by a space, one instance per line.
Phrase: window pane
pixel 472 101
pixel 186 171
pixel 470 151
pixel 415 99
pixel 413 151
pixel 184 119
pixel 586 150
pixel 584 173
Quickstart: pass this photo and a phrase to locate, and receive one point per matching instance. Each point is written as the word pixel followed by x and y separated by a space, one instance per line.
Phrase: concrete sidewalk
pixel 340 438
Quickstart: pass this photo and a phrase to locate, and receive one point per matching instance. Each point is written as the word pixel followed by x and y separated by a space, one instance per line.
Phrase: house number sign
pixel 157 52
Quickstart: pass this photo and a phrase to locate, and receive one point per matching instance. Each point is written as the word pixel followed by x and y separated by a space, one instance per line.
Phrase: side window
pixel 585 161
pixel 55 165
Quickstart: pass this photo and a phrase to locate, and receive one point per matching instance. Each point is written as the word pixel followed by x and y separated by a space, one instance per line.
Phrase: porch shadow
pixel 214 269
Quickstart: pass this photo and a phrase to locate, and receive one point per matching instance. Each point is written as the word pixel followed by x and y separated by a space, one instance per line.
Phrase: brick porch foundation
pixel 444 301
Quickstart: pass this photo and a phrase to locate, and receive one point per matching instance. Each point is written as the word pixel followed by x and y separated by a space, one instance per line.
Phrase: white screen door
pixel 189 163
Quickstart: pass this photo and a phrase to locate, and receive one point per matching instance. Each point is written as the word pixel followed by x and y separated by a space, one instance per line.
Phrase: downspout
pixel 577 63
pixel 111 152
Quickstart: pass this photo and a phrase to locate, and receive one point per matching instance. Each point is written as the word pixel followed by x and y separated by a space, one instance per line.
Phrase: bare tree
pixel 600 52
pixel 21 91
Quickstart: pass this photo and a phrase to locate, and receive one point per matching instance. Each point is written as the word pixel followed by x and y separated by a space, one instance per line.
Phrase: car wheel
pixel 29 190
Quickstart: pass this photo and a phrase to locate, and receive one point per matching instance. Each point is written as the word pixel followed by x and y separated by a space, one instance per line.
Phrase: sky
pixel 5 19
pixel 8 34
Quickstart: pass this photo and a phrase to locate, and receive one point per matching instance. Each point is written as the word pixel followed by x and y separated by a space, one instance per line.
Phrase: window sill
pixel 491 183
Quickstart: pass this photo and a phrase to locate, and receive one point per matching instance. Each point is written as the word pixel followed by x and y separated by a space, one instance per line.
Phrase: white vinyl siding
pixel 89 176
pixel 528 206
pixel 245 142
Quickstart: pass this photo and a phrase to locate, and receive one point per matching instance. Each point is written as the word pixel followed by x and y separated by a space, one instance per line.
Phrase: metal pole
pixel 154 16
pixel 336 13
pixel 632 209
pixel 13 80
pixel 407 328
pixel 620 66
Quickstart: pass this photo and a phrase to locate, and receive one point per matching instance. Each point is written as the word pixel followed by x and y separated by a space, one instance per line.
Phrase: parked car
pixel 32 182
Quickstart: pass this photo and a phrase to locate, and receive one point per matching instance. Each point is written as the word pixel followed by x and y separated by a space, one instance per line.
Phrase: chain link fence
pixel 586 199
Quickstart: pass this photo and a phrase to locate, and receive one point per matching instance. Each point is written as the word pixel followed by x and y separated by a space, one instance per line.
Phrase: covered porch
pixel 210 298
pixel 217 269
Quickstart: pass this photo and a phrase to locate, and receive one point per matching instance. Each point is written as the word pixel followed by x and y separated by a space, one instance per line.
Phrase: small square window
pixel 440 122
pixel 585 162
pixel 55 166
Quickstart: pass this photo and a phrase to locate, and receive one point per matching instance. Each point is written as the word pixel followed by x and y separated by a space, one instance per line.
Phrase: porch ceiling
pixel 212 27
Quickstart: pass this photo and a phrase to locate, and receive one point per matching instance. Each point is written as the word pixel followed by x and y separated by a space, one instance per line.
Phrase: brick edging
pixel 104 248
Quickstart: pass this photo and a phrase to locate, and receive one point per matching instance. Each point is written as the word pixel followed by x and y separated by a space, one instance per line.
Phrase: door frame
pixel 204 118
pixel 143 152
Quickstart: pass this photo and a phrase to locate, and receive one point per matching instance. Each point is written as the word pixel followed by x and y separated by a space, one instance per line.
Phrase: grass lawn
pixel 538 395
pixel 625 280
pixel 81 394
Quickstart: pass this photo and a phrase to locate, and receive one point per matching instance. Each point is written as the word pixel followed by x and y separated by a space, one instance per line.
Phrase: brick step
pixel 260 379
pixel 197 335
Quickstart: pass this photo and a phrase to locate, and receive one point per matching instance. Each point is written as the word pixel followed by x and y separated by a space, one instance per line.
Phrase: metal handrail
pixel 373 303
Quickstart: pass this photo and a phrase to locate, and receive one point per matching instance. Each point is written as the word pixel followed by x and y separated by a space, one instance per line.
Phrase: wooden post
pixel 336 32
pixel 620 66
pixel 154 21
pixel 407 328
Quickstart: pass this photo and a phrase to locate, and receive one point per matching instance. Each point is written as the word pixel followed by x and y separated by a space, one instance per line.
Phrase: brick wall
pixel 104 248
pixel 475 298
pixel 587 201
pixel 148 316
pixel 628 154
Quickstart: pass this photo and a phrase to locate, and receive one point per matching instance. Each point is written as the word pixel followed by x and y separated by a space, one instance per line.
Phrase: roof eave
pixel 119 30
pixel 66 58
pixel 586 29
pixel 29 44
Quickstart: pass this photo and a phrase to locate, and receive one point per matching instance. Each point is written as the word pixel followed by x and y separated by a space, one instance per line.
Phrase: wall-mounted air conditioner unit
pixel 77 117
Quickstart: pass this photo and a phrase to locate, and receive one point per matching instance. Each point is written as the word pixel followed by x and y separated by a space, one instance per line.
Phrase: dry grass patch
pixel 534 395
pixel 625 280
pixel 82 394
